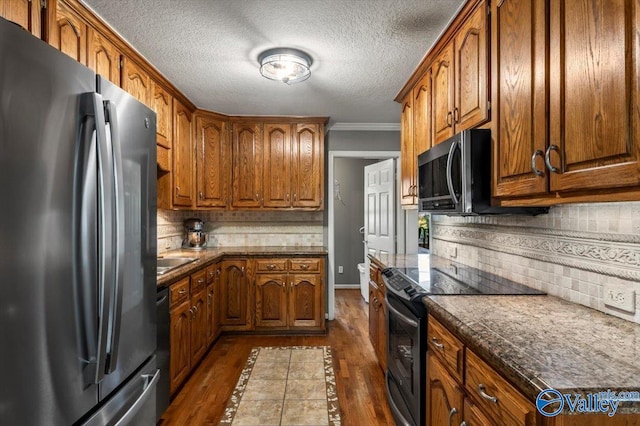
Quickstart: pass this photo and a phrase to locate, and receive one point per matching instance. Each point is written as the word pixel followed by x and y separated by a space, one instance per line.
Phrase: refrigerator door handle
pixel 106 237
pixel 115 310
pixel 149 387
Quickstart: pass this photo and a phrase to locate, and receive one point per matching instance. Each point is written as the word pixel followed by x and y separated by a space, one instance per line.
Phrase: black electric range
pixel 407 324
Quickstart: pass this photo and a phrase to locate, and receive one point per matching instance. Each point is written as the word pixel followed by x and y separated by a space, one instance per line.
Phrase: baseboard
pixel 347 286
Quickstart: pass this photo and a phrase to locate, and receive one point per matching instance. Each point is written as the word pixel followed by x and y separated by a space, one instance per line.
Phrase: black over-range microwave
pixel 454 177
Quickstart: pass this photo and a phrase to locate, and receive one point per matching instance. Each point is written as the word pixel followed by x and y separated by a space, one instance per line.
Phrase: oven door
pixel 406 362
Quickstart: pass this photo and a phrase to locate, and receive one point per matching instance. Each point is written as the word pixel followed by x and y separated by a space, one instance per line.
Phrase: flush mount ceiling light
pixel 287 65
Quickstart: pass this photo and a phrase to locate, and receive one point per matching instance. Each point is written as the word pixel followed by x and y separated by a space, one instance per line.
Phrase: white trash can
pixel 364 281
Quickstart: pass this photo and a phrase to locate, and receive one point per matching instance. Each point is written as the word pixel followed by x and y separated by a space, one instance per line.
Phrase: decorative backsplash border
pixel 589 251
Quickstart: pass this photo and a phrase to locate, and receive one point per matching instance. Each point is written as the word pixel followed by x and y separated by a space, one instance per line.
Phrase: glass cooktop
pixel 440 276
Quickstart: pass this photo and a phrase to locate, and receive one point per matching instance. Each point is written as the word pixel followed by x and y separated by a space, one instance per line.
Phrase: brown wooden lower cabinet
pixel 234 298
pixel 180 354
pixel 444 395
pixel 289 300
pixel 378 316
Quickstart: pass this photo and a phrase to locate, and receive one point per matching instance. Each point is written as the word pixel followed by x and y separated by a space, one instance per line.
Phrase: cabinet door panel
pixel 247 165
pixel 594 93
pixel 305 300
pixel 212 162
pixel 180 363
pixel 444 396
pixel 277 165
pixel 68 33
pixel 473 416
pixel 211 314
pixel 233 293
pixel 162 104
pixel 407 155
pixel 422 116
pixel 25 13
pixel 104 58
pixel 271 300
pixel 198 326
pixel 182 156
pixel 471 63
pixel 308 165
pixel 518 69
pixel 136 81
pixel 442 87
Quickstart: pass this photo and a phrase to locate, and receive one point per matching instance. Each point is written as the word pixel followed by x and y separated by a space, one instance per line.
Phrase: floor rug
pixel 292 385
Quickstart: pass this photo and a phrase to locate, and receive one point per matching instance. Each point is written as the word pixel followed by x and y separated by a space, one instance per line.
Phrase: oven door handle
pixel 454 197
pixel 402 316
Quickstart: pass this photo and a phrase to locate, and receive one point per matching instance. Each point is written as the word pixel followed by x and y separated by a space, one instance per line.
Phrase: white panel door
pixel 379 209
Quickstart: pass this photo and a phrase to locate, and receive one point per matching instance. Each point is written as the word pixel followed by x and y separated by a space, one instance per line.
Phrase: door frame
pixel 400 234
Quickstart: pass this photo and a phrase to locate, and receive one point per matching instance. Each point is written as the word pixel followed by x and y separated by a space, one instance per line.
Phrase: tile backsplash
pixel 572 252
pixel 230 228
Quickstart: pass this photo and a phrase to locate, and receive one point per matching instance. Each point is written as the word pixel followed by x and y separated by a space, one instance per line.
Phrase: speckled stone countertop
pixel 541 342
pixel 211 255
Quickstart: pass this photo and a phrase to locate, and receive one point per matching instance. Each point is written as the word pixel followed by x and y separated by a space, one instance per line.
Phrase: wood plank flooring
pixel 359 379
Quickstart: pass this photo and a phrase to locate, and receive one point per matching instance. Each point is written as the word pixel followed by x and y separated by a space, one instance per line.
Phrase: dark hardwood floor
pixel 359 379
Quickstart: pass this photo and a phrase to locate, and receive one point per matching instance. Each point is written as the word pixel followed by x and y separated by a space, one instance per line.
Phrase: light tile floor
pixel 286 386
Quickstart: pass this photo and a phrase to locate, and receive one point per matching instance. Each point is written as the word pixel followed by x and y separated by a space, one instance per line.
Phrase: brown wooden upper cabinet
pixel 247 165
pixel 277 165
pixel 593 120
pixel 26 13
pixel 460 79
pixel 212 161
pixel 407 154
pixel 136 81
pixel 162 104
pixel 415 124
pixel 103 56
pixel 308 165
pixel 68 32
pixel 182 156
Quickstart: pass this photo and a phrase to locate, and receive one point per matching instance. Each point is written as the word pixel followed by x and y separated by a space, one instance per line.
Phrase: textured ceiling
pixel 363 51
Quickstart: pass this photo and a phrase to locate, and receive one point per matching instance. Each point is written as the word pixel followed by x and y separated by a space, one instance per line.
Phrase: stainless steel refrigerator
pixel 77 243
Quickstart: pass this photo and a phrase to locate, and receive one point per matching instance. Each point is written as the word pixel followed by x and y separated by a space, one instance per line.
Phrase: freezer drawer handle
pixel 151 381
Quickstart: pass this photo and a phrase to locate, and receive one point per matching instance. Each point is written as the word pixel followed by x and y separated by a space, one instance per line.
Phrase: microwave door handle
pixel 455 198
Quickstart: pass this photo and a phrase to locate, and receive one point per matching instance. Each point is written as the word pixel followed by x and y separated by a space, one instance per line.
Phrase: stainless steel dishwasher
pixel 162 353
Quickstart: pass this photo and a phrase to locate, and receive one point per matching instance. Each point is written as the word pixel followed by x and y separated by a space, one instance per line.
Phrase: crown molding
pixel 371 127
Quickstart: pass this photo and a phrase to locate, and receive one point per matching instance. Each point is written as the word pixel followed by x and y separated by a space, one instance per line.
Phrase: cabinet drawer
pixel 306 265
pixel 495 396
pixel 445 346
pixel 198 281
pixel 179 292
pixel 271 265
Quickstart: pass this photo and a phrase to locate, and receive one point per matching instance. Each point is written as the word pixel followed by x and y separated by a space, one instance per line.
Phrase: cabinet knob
pixel 304 266
pixel 271 266
pixel 201 195
pixel 547 158
pixel 535 170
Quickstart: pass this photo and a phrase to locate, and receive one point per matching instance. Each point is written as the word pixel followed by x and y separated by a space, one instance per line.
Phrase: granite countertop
pixel 211 255
pixel 541 342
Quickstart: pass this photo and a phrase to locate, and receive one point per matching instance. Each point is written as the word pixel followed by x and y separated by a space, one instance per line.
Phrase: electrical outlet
pixel 341 269
pixel 620 298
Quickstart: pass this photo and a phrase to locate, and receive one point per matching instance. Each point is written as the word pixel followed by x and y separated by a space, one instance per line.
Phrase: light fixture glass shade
pixel 287 65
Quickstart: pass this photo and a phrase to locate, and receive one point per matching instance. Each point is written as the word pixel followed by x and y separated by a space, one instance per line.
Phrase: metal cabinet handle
pixel 436 344
pixel 453 411
pixel 182 291
pixel 449 119
pixel 271 266
pixel 257 197
pixel 304 266
pixel 463 423
pixel 284 287
pixel 481 390
pixel 200 280
pixel 242 270
pixel 287 196
pixel 291 286
pixel 456 115
pixel 218 272
pixel 547 158
pixel 177 190
pixel 536 171
pixel 295 197
pixel 201 195
pixel 195 310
